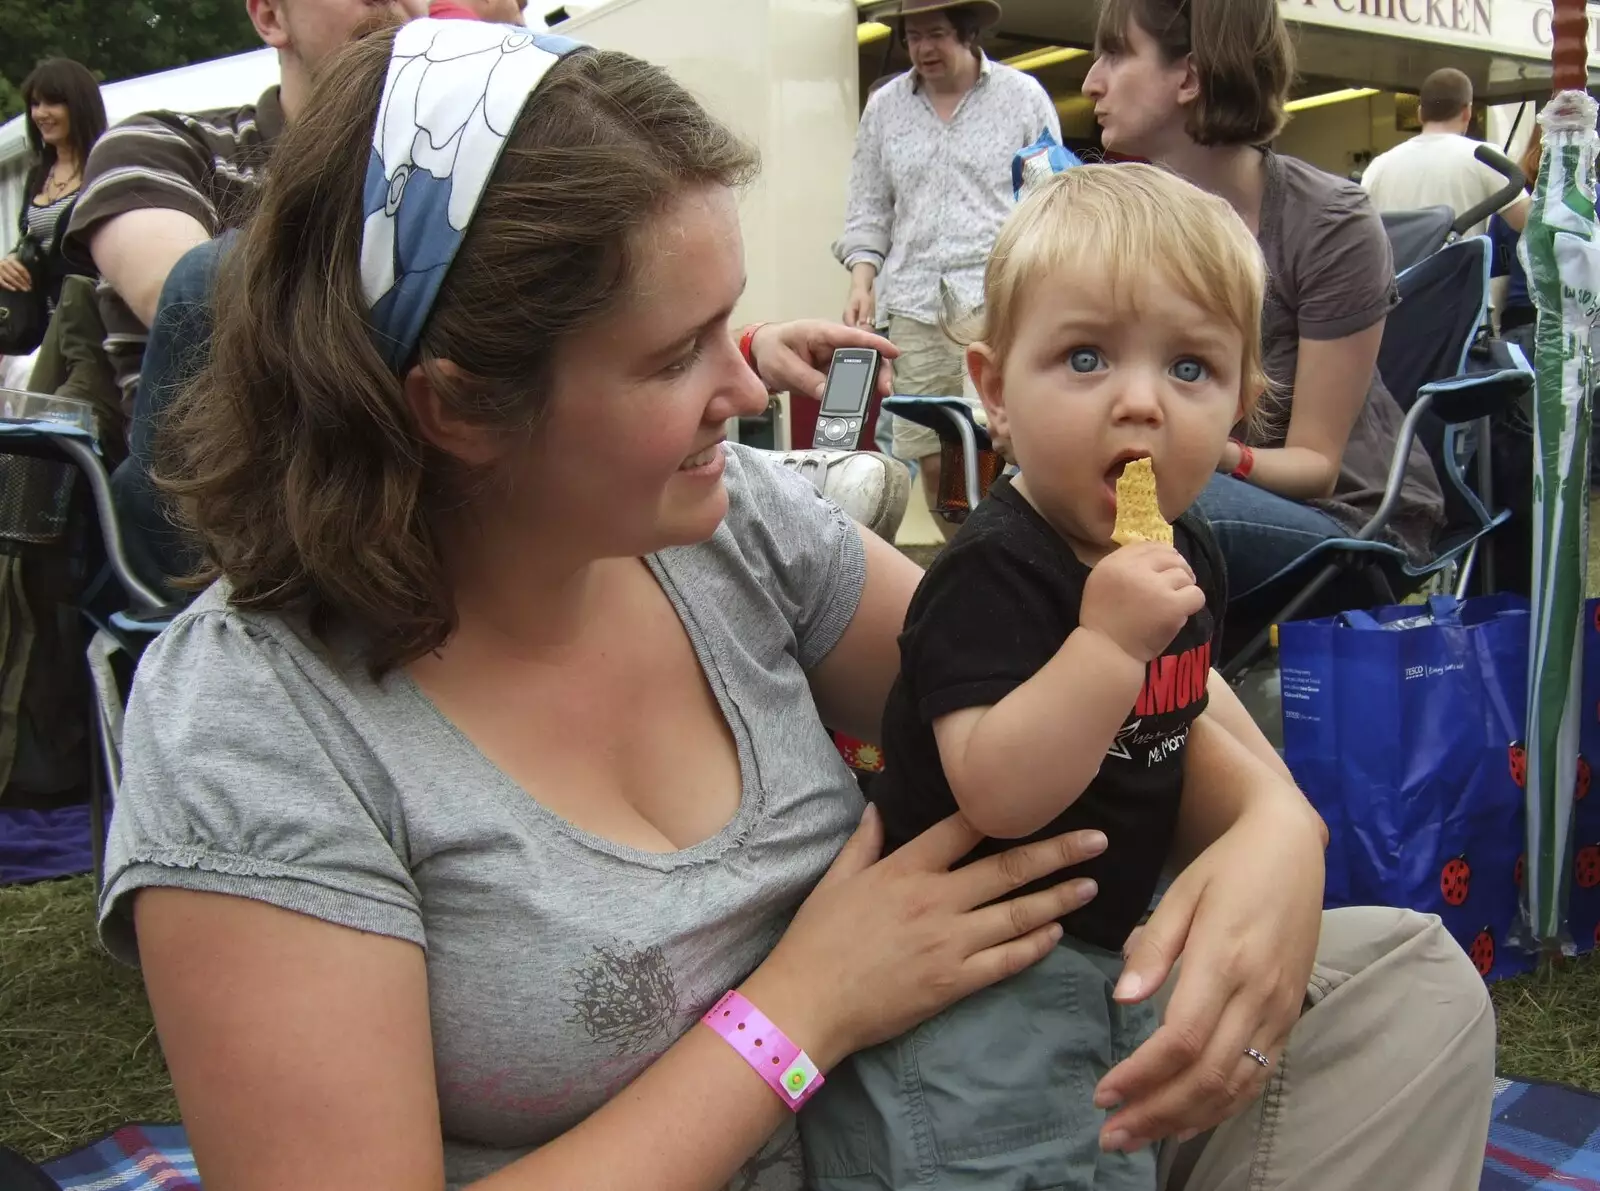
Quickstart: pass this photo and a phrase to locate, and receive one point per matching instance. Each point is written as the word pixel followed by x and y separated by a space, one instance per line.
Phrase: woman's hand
pixel 14 275
pixel 794 357
pixel 883 944
pixel 1231 455
pixel 1245 916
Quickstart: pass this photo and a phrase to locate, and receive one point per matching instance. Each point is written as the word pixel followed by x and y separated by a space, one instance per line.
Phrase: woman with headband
pixel 479 825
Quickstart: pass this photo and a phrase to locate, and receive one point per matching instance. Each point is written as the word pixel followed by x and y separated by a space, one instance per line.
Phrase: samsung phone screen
pixel 847 381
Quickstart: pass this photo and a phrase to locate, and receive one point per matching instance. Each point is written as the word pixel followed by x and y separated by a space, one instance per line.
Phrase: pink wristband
pixel 787 1069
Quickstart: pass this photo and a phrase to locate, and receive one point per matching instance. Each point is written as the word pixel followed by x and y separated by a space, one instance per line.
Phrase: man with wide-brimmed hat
pixel 929 188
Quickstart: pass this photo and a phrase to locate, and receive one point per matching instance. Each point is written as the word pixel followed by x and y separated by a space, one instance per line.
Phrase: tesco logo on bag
pixel 1432 671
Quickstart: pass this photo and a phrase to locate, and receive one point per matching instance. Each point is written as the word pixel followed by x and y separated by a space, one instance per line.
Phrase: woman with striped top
pixel 64 117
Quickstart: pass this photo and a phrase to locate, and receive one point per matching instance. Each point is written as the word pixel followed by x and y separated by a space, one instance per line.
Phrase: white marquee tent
pixel 222 83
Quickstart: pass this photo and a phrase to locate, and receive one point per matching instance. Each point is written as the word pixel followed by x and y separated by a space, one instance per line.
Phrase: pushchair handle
pixel 1515 181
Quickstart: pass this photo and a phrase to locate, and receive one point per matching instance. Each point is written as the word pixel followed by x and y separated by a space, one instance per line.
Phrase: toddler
pixel 1049 677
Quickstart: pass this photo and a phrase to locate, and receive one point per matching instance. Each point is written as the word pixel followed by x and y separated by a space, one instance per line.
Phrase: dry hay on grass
pixel 78 1052
pixel 1548 1025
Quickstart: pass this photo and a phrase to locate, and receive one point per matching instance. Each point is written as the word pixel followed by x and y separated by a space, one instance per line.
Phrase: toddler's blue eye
pixel 1190 371
pixel 1084 359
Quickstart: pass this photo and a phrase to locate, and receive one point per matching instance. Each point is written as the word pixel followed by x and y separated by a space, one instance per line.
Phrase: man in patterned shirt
pixel 930 186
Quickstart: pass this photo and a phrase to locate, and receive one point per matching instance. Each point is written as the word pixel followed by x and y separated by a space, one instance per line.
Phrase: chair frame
pixel 146 614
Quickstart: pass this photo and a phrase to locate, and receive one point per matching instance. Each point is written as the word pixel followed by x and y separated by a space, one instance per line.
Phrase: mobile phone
pixel 852 377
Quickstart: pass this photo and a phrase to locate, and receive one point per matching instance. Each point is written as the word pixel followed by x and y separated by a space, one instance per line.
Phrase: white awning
pixel 199 87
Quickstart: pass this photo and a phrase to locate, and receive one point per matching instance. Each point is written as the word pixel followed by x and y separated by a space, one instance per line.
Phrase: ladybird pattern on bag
pixel 1455 881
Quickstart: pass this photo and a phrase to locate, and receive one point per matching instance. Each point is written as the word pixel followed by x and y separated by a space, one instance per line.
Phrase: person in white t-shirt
pixel 1437 168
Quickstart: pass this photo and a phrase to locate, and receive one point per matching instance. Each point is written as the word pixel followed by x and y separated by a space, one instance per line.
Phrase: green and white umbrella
pixel 1563 264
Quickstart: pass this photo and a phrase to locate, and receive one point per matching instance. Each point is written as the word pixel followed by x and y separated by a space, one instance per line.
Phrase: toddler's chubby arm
pixel 1017 764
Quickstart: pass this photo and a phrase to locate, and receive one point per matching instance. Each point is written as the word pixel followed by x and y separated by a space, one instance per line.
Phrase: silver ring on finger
pixel 1255 1054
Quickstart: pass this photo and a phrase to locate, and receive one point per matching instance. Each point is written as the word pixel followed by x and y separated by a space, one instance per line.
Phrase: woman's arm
pixel 851 685
pixel 302 1052
pixel 1245 916
pixel 1224 708
pixel 1330 388
pixel 1223 786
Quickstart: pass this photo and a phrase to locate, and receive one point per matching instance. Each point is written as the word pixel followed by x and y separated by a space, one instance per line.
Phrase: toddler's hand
pixel 1140 596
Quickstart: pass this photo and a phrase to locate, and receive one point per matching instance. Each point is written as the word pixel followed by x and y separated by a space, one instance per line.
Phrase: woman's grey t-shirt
pixel 1330 273
pixel 560 965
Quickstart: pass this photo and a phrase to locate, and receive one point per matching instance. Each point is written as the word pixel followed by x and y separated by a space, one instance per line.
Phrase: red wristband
pixel 1247 461
pixel 745 341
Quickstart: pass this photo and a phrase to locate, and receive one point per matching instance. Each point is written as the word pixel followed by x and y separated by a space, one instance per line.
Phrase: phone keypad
pixel 835 430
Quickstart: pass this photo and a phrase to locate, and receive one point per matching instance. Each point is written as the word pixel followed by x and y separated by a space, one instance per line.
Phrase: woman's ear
pixel 267 17
pixel 473 445
pixel 1189 85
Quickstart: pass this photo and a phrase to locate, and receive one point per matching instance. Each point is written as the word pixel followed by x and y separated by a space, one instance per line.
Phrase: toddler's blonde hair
pixel 1123 226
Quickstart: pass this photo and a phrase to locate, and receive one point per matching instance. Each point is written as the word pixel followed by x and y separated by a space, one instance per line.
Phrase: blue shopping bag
pixel 1403 727
pixel 1583 903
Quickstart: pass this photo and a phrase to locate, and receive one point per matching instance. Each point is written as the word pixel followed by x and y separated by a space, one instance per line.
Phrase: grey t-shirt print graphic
pixel 624 997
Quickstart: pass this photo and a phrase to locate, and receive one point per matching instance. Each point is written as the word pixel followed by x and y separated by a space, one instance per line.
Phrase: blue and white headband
pixel 452 96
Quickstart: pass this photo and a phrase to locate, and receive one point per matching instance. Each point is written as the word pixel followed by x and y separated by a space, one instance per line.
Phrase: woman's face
pixel 52 120
pixel 1139 97
pixel 629 457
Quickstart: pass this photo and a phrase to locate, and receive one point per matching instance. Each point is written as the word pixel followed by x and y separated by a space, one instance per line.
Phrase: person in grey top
pixel 930 185
pixel 1200 86
pixel 495 755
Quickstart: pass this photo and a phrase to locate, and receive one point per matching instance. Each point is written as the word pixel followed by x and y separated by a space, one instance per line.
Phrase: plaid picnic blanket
pixel 1543 1136
pixel 132 1158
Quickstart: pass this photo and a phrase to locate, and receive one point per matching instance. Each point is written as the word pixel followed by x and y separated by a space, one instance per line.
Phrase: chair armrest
pixel 79 449
pixel 935 413
pixel 1474 395
pixel 951 419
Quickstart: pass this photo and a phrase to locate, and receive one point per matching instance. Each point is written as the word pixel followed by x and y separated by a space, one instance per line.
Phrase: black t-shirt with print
pixel 994 607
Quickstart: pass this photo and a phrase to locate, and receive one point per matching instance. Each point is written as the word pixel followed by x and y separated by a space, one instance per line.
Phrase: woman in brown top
pixel 1200 86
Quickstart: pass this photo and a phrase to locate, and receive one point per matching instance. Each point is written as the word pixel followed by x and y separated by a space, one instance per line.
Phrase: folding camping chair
pixel 42 426
pixel 1452 381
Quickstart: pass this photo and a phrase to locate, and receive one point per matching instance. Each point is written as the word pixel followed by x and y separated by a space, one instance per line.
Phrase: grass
pixel 79 1055
pixel 1549 1028
pixel 78 1050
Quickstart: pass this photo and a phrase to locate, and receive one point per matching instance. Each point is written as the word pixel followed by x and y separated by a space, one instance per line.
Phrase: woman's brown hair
pixel 69 83
pixel 294 454
pixel 1532 154
pixel 1242 56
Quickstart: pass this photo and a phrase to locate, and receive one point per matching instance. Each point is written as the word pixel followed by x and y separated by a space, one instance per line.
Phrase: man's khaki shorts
pixel 930 365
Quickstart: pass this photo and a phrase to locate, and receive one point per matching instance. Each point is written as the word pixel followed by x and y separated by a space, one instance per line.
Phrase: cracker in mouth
pixel 1139 516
